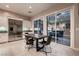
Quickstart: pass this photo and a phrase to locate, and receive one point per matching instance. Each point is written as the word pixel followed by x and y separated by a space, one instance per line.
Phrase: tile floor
pixel 17 49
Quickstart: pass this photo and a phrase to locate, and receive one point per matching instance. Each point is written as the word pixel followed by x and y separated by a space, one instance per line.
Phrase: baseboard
pixel 10 41
pixel 14 40
pixel 3 42
pixel 75 49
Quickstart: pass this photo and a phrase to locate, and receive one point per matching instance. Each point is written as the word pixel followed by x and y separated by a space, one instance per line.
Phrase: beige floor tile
pixel 17 49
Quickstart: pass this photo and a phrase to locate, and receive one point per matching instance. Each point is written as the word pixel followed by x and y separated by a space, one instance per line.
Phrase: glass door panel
pixel 63 27
pixel 38 26
pixel 58 26
pixel 51 26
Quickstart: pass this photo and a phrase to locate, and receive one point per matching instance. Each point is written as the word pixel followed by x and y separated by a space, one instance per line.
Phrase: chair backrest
pixel 26 33
pixel 27 38
pixel 48 40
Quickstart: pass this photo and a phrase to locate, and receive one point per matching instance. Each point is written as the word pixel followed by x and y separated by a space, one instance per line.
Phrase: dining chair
pixel 46 43
pixel 29 41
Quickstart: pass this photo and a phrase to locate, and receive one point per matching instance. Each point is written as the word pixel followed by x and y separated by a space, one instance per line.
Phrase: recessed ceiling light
pixel 30 7
pixel 7 6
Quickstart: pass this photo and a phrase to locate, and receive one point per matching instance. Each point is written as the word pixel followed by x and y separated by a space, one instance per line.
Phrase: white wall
pixel 76 44
pixel 74 27
pixel 26 24
pixel 3 22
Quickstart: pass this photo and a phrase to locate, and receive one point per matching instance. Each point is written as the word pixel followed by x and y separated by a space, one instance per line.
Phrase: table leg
pixel 43 39
pixel 37 47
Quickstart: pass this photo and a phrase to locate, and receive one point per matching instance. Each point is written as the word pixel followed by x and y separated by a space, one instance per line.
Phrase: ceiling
pixel 23 8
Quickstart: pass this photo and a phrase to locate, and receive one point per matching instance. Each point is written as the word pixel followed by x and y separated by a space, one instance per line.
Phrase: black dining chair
pixel 46 43
pixel 29 41
pixel 26 33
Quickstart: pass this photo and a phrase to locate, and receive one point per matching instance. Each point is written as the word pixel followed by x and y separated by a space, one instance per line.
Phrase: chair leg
pixel 44 50
pixel 29 48
pixel 25 46
pixel 47 52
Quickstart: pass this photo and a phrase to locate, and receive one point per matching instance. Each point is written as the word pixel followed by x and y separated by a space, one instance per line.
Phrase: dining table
pixel 37 38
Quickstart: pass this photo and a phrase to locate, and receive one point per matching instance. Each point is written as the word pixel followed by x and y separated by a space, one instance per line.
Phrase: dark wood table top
pixel 36 36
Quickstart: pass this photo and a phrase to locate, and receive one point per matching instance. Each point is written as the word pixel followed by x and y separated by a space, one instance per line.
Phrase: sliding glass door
pixel 63 27
pixel 51 26
pixel 59 27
